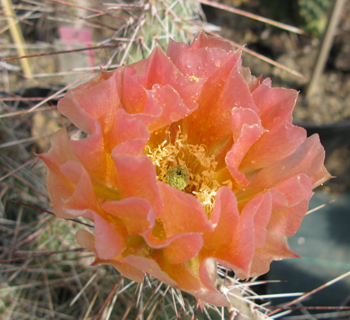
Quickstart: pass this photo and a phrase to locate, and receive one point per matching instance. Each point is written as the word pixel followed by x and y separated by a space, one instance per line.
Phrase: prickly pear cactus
pixel 159 21
pixel 314 14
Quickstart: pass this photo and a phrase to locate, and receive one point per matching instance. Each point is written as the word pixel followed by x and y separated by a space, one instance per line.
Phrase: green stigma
pixel 178 177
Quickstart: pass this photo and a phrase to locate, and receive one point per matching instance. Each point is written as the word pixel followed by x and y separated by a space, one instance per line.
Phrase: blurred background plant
pixel 44 274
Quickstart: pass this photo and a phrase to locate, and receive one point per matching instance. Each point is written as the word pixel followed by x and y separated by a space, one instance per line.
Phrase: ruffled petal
pixel 237 236
pixel 160 71
pixel 129 135
pixel 286 221
pixel 98 99
pixel 136 213
pixel 137 178
pixel 247 130
pixel 183 248
pixel 224 219
pixel 83 197
pixel 275 104
pixel 151 267
pixel 274 145
pixel 182 212
pixel 127 270
pixel 275 248
pixel 93 154
pixel 252 81
pixel 205 41
pixel 86 240
pixel 60 188
pixel 208 273
pixel 216 102
pixel 108 242
pixel 307 159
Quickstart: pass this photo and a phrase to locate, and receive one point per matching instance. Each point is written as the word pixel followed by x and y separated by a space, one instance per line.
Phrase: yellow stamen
pixel 186 167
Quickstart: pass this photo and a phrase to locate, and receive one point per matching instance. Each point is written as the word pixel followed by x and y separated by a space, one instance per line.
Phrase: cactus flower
pixel 188 161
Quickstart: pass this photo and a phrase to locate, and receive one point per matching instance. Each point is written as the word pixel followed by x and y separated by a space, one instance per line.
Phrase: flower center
pixel 186 167
pixel 178 177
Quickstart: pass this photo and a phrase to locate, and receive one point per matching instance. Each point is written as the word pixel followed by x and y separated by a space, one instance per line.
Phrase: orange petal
pixel 246 131
pixel 83 196
pixel 151 267
pixel 108 242
pixel 59 186
pixel 260 208
pixel 136 213
pixel 224 219
pixel 183 247
pixel 275 104
pixel 86 240
pixel 308 158
pixel 201 62
pixel 137 178
pixel 208 273
pixel 127 270
pixel 286 221
pixel 128 135
pixel 216 102
pixel 92 153
pixel 98 99
pixel 274 145
pixel 157 70
pixel 252 81
pixel 204 41
pixel 172 104
pixel 182 212
pixel 236 248
pixel 276 248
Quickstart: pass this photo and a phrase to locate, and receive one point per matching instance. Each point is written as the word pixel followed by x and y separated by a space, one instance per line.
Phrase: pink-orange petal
pixel 308 158
pixel 182 212
pixel 93 154
pixel 60 188
pixel 172 104
pixel 159 70
pixel 151 267
pixel 83 196
pixel 136 213
pixel 224 219
pixel 208 273
pixel 137 178
pixel 128 135
pixel 216 102
pixel 204 41
pixel 183 247
pixel 86 240
pixel 210 296
pixel 275 104
pixel 108 242
pixel 201 62
pixel 275 248
pixel 260 207
pixel 249 233
pixel 246 131
pixel 252 81
pixel 96 100
pixel 274 145
pixel 295 189
pixel 127 270
pixel 286 221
